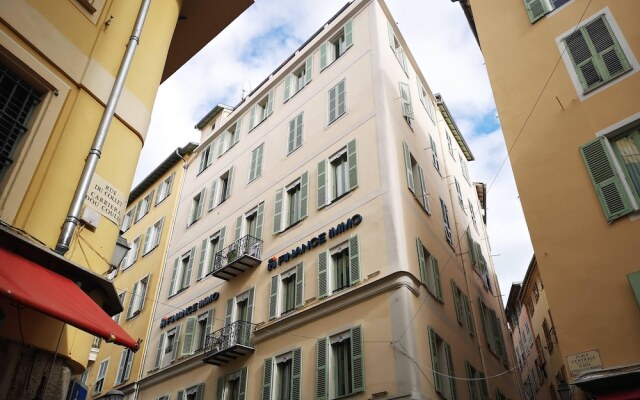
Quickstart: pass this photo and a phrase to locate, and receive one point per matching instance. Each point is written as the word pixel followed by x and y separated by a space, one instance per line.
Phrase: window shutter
pixel 180 395
pixel 634 281
pixel 253 164
pixel 308 69
pixel 483 386
pixel 357 359
pixel 176 343
pixel 299 285
pixel 436 278
pixel 348 34
pixel 392 43
pixel 187 342
pixel 220 388
pixel 433 345
pixel 457 302
pixel 584 60
pixel 467 368
pixel 121 367
pixel 222 143
pixel 203 159
pixel 291 145
pixel 200 391
pixel 304 195
pixel 322 275
pixel 353 164
pixel 260 151
pixel 158 235
pixel 299 128
pixel 322 392
pixel 323 56
pixel 273 297
pixel 170 184
pixel 407 110
pixel 209 325
pixel 212 197
pixel 266 379
pixel 133 300
pixel 497 337
pixel 172 286
pixel 322 183
pixel 333 98
pixel 421 261
pixel 227 317
pixel 354 260
pixel 236 137
pixel 250 304
pixel 610 55
pixel 259 220
pixel 287 88
pixel 160 350
pixel 143 292
pixel 485 324
pixel 229 182
pixel 269 109
pixel 296 374
pixel 277 213
pixel 147 237
pixel 536 9
pixel 342 102
pixel 407 164
pixel 451 372
pixel 187 272
pixel 203 256
pixel 467 309
pixel 423 191
pixel 606 182
pixel 200 203
pixel 252 118
pixel 223 232
pixel 472 249
pixel 243 384
pixel 238 230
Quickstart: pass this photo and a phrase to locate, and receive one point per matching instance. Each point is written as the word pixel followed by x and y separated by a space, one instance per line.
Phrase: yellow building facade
pixel 58 64
pixel 565 79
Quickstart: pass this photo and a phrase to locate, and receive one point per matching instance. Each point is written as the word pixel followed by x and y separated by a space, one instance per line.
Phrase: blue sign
pixel 78 391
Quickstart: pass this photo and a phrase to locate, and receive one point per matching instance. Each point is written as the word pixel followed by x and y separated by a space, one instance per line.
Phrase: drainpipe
pixel 72 220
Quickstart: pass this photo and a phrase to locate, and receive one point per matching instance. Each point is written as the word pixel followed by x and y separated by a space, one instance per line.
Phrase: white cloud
pixel 444 47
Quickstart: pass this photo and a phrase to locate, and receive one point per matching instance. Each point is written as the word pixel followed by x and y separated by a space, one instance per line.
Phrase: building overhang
pixel 211 115
pixel 448 118
pixel 199 22
pixel 468 13
pixel 620 382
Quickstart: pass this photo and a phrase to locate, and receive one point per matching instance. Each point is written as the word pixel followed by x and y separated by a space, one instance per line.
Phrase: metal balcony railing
pixel 242 255
pixel 226 344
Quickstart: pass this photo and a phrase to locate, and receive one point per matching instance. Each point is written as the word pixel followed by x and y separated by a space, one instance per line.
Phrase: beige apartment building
pixel 329 242
pixel 538 355
pixel 566 84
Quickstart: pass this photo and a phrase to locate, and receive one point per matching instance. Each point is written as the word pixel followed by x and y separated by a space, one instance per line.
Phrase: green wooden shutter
pixel 352 158
pixel 536 9
pixel 348 34
pixel 357 359
pixel 187 342
pixel 299 285
pixel 220 388
pixel 323 56
pixel 147 236
pixel 407 164
pixel 250 304
pixel 304 195
pixel 634 281
pixel 121 367
pixel 472 249
pixel 354 261
pixel 308 69
pixel 259 220
pixel 486 325
pixel 423 191
pixel 223 231
pixel 433 346
pixel 407 110
pixel 158 236
pixel 333 100
pixel 203 159
pixel 187 271
pixel 273 298
pixel 296 374
pixel 209 325
pixel 200 391
pixel 322 390
pixel 467 309
pixel 342 99
pixel 229 313
pixel 212 197
pixel 606 182
pixel 458 303
pixel 160 350
pixel 252 118
pixel 291 141
pixel 610 58
pixel 497 336
pixel 258 170
pixel 299 129
pixel 277 213
pixel 451 372
pixel 269 109
pixel 222 142
pixel 229 182
pixel 252 164
pixel 203 194
pixel 172 286
pixel 392 43
pixel 203 256
pixel 287 88
pixel 176 343
pixel 422 264
pixel 238 230
pixel 133 299
pixel 242 393
pixel 266 379
pixel 322 275
pixel 236 137
pixel 470 382
pixel 436 278
pixel 322 183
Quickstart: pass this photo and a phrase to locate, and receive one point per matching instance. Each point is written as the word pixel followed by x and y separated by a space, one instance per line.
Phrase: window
pixel 429 271
pixel 473 215
pixel 137 297
pixel 19 100
pixel 208 249
pixel 407 108
pixel 434 154
pixel 255 169
pixel 478 261
pixel 196 330
pixel 240 308
pixel 172 341
pixel 463 308
pixel 602 156
pixel 553 395
pixel 596 55
pixel 338 175
pixel 143 206
pixel 539 8
pixel 338 268
pixel 250 223
pixel 283 381
pixel 300 78
pixel 206 158
pixel 160 350
pixel 102 371
pixel 128 220
pixel 425 99
pixel 195 392
pixel 415 179
pixel 450 145
pixel 220 189
pixel 442 363
pixel 132 253
pixel 296 127
pixel 493 332
pixel 459 193
pixel 85 374
pixel 291 204
pixel 445 221
pixel 395 45
pixel 232 386
pixel 195 211
pixel 337 101
pixel 124 367
pixel 152 237
pixel 335 47
pixel 286 292
pixel 548 335
pixel 181 275
pixel 121 296
pixel 164 190
pixel 261 110
pixel 229 138
pixel 477 383
pixel 464 169
pixel 340 364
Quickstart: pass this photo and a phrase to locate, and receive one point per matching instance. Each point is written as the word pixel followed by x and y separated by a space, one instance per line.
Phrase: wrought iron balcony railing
pixel 240 256
pixel 226 344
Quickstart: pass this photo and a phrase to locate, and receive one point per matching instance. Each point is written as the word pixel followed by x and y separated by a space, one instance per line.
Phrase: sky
pixel 439 38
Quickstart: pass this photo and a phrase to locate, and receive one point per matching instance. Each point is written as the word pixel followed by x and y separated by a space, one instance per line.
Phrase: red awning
pixel 632 394
pixel 34 286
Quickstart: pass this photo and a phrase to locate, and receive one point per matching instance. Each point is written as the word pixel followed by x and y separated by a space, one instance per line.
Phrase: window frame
pixel 144 206
pixel 306 69
pixel 442 360
pixel 326 386
pixel 153 237
pixel 278 292
pixel 164 188
pixel 182 271
pixel 295 135
pixel 263 107
pixel 326 194
pixel 429 271
pixel 326 272
pixel 220 193
pixel 124 366
pixel 132 254
pixel 196 206
pixel 100 376
pixel 281 221
pixel 398 50
pixel 327 49
pixel 255 164
pixel 339 112
pixel 138 297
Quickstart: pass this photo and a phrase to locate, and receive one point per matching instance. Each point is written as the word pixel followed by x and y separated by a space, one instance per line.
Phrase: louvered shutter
pixel 407 164
pixel 212 196
pixel 322 183
pixel 203 159
pixel 536 9
pixel 423 191
pixel 304 195
pixel 259 220
pixel 258 170
pixel 220 388
pixel 472 249
pixel 322 390
pixel 610 57
pixel 497 336
pixel 172 286
pixel 253 164
pixel 236 136
pixel 299 128
pixel 606 182
pixel 208 327
pixel 291 140
pixel 357 359
pixel 203 258
pixel 243 384
pixel 176 343
pixel 333 100
pixel 273 298
pixel 422 264
pixel 189 331
pixel 472 392
pixel 238 230
pixel 228 314
pixel 323 56
pixel 296 377
pixel 203 193
pixel 222 141
pixel 277 213
pixel 352 158
pixel 133 300
pixel 407 110
pixel 308 69
pixel 470 324
pixel 269 109
pixel 186 278
pixel 348 34
pixel 483 386
pixel 392 43
pixel 250 305
pixel 458 303
pixel 266 379
pixel 200 391
pixel 354 261
pixel 322 275
pixel 229 183
pixel 121 367
pixel 451 372
pixel 180 395
pixel 287 88
pixel 252 118
pixel 147 238
pixel 436 278
pixel 158 235
pixel 486 325
pixel 433 346
pixel 342 99
pixel 299 285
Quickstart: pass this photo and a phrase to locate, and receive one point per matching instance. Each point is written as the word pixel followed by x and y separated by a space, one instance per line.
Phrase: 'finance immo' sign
pixel 189 310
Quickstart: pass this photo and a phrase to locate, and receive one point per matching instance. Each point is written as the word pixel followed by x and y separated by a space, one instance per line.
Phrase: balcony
pixel 227 344
pixel 240 256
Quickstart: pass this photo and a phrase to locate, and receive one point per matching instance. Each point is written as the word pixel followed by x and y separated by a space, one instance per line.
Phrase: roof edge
pixel 453 127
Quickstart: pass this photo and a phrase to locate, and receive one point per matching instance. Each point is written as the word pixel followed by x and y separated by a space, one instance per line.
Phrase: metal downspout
pixel 72 220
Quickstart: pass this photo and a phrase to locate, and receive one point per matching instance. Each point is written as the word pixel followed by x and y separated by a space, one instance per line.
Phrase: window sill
pixel 337 119
pixel 254 179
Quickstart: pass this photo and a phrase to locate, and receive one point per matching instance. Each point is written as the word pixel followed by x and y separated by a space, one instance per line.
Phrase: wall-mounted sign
pixel 189 310
pixel 584 362
pixel 106 199
pixel 315 242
